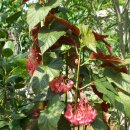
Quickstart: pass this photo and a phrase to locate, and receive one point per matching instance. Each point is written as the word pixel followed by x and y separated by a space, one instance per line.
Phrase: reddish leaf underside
pixel 105 58
pixel 99 37
pixel 102 38
pixel 74 29
pixel 117 68
pixel 24 1
pixel 34 59
pixel 64 40
pixel 35 31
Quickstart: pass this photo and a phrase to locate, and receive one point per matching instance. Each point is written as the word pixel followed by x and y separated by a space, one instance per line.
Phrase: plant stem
pixel 77 78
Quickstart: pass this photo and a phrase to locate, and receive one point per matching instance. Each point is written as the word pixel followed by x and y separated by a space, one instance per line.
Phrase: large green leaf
pixel 122 80
pixel 13 17
pixel 87 37
pixel 3 123
pixel 64 124
pixel 8 48
pixel 48 37
pixel 15 125
pixel 103 86
pixel 43 75
pixel 49 118
pixel 126 61
pixel 125 100
pixel 37 12
pixel 27 108
pixel 98 124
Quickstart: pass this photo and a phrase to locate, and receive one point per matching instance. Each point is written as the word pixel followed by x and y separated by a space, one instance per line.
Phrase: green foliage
pixel 45 73
pixel 47 37
pixel 107 89
pixel 35 13
pixel 95 124
pixel 13 17
pixel 8 49
pixel 3 123
pixel 28 102
pixel 50 116
pixel 124 99
pixel 87 37
pixel 63 124
pixel 122 80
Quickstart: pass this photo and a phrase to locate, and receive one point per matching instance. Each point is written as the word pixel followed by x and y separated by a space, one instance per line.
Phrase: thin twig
pixel 86 86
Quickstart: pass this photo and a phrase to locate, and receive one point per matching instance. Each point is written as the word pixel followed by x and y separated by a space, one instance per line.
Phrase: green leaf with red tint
pixel 105 58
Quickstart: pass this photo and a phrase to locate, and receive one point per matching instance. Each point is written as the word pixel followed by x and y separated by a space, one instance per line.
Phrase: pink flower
pixel 58 85
pixel 82 114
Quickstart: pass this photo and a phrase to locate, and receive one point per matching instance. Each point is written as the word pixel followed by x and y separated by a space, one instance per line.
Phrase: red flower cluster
pixel 58 85
pixel 83 114
pixel 33 60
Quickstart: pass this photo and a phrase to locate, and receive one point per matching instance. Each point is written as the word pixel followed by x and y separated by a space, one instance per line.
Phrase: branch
pixel 125 6
pixel 120 25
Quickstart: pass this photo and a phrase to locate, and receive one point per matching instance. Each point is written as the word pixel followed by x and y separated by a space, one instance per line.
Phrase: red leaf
pixel 24 1
pixel 35 31
pixel 105 58
pixel 102 38
pixel 74 29
pixel 123 69
pixel 66 40
pixel 34 59
pixel 50 16
pixel 54 10
pixel 117 68
pixel 100 95
pixel 105 106
pixel 99 37
pixel 69 26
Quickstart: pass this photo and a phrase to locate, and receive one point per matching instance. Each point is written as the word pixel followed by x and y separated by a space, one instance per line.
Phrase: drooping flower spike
pixel 58 85
pixel 81 114
pixel 33 60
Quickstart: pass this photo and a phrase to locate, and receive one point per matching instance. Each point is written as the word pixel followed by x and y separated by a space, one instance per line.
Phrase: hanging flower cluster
pixel 33 60
pixel 59 85
pixel 82 114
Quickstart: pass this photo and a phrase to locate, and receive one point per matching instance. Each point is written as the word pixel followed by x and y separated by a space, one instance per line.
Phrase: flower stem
pixel 77 78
